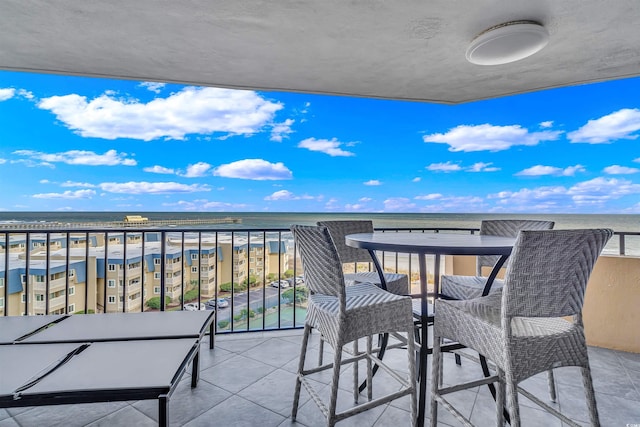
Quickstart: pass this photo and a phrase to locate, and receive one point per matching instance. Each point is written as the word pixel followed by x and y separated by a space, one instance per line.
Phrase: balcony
pixel 248 380
pixel 254 371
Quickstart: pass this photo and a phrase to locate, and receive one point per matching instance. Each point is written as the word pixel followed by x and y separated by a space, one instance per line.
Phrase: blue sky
pixel 86 144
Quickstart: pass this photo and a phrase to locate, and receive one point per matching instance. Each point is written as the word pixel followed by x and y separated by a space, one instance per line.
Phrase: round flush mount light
pixel 508 42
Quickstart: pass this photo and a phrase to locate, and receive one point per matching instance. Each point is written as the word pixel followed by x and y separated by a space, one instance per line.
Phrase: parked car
pixel 193 306
pixel 219 303
pixel 282 284
pixel 295 280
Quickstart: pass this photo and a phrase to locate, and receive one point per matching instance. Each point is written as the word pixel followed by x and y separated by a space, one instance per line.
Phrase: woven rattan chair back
pixel 548 271
pixel 339 229
pixel 320 260
pixel 506 228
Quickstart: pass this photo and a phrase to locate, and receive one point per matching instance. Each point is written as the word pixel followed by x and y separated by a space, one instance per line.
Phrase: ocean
pixel 626 223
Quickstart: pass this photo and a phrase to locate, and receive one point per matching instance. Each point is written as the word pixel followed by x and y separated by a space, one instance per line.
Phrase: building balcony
pixel 135 271
pixel 173 266
pixel 56 284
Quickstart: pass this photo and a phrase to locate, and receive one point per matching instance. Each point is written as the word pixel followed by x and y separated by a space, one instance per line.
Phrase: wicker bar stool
pixel 466 287
pixel 393 282
pixel 342 318
pixel 521 329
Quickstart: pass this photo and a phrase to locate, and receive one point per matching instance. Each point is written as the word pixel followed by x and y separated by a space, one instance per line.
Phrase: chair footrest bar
pixel 453 411
pixel 467 385
pixel 346 361
pixel 314 396
pixel 372 404
pixel 390 371
pixel 548 408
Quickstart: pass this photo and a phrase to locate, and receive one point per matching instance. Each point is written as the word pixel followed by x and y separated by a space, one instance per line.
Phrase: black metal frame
pixel 163 394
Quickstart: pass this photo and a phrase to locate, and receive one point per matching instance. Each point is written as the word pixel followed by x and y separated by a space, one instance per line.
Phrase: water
pixel 628 223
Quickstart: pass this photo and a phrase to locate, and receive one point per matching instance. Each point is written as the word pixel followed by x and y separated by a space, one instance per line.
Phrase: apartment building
pixel 110 272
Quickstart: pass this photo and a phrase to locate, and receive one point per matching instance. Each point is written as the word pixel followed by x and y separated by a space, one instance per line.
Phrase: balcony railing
pixel 253 303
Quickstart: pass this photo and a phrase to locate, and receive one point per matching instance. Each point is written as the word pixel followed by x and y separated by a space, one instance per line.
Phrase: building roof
pixel 410 49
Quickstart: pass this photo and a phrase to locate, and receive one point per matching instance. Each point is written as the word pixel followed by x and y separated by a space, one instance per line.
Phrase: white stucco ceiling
pixel 404 49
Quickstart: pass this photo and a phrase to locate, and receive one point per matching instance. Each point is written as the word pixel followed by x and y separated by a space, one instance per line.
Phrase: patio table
pixel 436 244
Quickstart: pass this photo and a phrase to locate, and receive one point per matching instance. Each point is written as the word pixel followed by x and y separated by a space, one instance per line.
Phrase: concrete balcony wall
pixel 612 304
pixel 611 311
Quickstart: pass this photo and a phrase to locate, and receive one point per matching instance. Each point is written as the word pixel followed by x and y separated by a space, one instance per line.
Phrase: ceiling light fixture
pixel 508 42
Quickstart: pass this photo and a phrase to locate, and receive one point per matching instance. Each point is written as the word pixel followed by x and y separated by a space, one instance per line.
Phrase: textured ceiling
pixel 407 49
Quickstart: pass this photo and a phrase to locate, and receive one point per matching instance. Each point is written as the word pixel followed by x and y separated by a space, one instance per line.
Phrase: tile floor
pixel 248 380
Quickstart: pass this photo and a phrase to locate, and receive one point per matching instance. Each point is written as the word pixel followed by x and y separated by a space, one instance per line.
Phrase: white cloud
pixel 281 195
pixel 482 167
pixel 288 195
pixel 432 196
pixel 453 167
pixel 32 164
pixel 355 207
pixel 372 182
pixel 541 170
pixel 221 206
pixel 189 111
pixel 620 170
pixel 205 205
pixel 255 169
pixel 197 170
pixel 281 130
pixel 3 161
pixel 365 199
pixel 619 125
pixel 44 181
pixel 7 93
pixel 571 170
pixel 153 86
pixel 454 204
pixel 331 204
pixel 142 187
pixel 555 198
pixel 77 184
pixel 416 179
pixel 489 137
pixel 79 194
pixel 602 189
pixel 330 147
pixel 160 170
pixel 398 204
pixel 78 157
pixel 444 167
pixel 546 124
pixel 541 199
pixel 25 94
